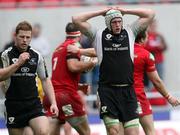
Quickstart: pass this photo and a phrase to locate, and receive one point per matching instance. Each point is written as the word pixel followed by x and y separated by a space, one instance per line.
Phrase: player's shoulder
pixel 140 47
pixel 141 50
pixel 146 53
pixel 34 52
pixel 7 51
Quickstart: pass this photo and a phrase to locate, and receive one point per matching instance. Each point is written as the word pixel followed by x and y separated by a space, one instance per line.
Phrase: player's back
pixel 62 78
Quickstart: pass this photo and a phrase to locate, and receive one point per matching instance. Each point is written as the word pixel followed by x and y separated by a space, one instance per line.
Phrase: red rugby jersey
pixel 62 78
pixel 143 62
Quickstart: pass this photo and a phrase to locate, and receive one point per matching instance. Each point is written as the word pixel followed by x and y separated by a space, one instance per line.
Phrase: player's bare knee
pixel 44 131
pixel 113 131
pixel 112 125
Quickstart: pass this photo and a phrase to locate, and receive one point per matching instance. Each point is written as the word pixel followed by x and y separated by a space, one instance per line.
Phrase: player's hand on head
pixel 23 58
pixel 122 10
pixel 54 110
pixel 105 10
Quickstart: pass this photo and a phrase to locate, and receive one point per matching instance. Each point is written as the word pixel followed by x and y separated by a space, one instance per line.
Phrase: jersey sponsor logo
pixel 25 69
pixel 108 37
pixel 115 49
pixel 24 74
pixel 116 45
pixel 68 110
pixel 11 120
pixel 14 60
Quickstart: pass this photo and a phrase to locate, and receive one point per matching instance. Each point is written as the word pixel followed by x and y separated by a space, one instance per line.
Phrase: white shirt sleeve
pixel 41 68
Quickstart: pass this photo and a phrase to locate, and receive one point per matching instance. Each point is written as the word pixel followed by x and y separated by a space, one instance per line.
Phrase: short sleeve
pixel 150 63
pixel 42 68
pixel 4 59
pixel 73 55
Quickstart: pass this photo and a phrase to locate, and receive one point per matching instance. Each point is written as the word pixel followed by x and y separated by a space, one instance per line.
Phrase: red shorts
pixel 69 105
pixel 144 107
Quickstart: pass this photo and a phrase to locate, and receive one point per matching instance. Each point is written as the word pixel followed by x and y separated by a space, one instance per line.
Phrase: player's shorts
pixel 19 113
pixel 69 105
pixel 118 102
pixel 144 107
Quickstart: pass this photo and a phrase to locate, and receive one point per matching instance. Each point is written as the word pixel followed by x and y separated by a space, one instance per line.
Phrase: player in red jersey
pixel 66 69
pixel 144 62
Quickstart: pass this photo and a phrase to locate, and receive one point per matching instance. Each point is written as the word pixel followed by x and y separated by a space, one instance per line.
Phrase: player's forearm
pixel 142 13
pixel 6 72
pixel 159 85
pixel 49 90
pixel 80 66
pixel 88 52
pixel 83 17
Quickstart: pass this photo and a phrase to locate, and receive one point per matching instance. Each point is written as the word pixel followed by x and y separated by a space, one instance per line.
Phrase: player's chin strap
pixel 73 34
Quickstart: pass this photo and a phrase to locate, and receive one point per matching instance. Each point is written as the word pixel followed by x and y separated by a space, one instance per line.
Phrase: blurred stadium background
pixel 53 16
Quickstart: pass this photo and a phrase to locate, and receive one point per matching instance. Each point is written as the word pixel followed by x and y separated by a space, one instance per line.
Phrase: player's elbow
pixel 75 20
pixel 151 14
pixel 156 81
pixel 2 78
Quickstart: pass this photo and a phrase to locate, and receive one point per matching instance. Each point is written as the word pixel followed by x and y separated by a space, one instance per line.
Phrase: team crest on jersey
pixel 11 120
pixel 14 60
pixel 104 109
pixel 122 37
pixel 108 37
pixel 32 61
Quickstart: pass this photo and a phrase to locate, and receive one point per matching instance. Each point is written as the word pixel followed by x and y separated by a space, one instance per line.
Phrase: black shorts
pixel 118 102
pixel 18 113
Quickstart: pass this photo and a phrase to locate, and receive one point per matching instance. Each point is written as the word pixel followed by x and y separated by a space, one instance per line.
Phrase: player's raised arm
pixel 81 20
